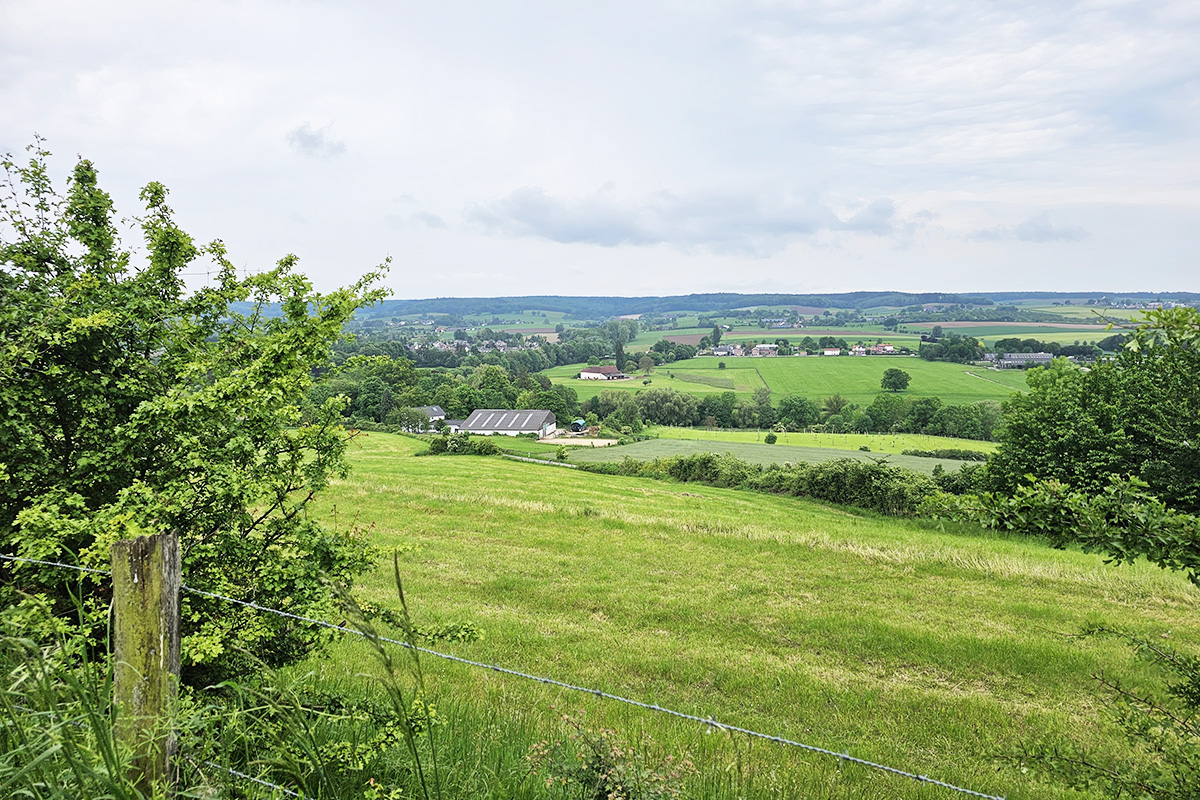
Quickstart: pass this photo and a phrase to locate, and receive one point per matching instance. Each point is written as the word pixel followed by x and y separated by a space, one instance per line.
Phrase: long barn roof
pixel 500 419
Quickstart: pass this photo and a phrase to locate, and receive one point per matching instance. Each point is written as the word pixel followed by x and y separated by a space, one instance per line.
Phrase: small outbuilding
pixel 486 421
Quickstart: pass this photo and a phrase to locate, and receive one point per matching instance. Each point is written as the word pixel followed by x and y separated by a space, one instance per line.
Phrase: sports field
pixel 930 648
pixel 815 377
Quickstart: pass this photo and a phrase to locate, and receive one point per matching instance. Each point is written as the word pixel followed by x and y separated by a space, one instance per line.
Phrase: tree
pixel 798 412
pixel 716 335
pixel 646 364
pixel 128 406
pixel 894 380
pixel 835 404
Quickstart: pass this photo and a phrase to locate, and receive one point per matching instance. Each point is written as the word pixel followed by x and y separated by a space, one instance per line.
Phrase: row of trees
pixel 386 390
pixel 888 413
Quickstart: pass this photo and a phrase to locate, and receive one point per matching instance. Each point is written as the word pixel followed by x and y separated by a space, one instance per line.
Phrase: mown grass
pixel 816 377
pixel 754 453
pixel 926 648
pixel 878 442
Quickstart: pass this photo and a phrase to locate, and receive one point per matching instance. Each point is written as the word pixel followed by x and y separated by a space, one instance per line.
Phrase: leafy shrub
pixel 604 769
pixel 1124 521
pixel 771 438
pixel 948 452
pixel 463 444
pixel 847 481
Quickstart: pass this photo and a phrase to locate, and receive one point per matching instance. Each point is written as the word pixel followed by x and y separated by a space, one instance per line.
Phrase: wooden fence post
pixel 146 584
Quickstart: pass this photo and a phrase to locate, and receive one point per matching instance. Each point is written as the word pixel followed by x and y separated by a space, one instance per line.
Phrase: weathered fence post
pixel 146 583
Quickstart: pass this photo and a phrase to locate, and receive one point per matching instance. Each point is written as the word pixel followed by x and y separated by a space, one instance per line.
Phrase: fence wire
pixel 712 723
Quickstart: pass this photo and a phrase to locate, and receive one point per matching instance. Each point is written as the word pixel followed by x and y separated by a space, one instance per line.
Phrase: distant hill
pixel 603 307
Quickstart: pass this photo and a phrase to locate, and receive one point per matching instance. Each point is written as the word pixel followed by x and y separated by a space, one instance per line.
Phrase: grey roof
pixel 432 411
pixel 502 419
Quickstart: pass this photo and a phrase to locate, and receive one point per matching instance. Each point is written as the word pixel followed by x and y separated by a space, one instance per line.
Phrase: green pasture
pixel 815 377
pixel 878 442
pixel 749 451
pixel 930 649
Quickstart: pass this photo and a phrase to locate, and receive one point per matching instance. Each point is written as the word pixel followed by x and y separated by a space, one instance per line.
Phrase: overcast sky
pixel 640 148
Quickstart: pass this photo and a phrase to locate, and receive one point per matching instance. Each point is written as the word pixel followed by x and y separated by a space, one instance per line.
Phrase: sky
pixel 643 148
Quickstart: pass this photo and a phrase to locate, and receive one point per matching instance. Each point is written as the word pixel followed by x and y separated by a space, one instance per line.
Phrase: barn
pixel 486 421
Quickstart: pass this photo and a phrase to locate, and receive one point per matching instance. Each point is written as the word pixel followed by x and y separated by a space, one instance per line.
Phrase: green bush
pixel 771 438
pixel 847 481
pixel 948 452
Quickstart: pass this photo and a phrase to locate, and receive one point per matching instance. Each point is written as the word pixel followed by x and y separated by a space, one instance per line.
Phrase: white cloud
pixel 314 143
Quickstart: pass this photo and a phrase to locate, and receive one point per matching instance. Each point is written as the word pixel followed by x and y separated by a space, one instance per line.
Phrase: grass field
pixel 878 442
pixel 927 649
pixel 749 451
pixel 816 377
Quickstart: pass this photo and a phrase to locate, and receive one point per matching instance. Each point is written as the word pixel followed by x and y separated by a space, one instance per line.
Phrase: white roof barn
pixel 486 421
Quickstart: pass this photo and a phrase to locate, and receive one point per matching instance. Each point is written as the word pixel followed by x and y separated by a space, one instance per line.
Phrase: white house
pixel 832 351
pixel 486 421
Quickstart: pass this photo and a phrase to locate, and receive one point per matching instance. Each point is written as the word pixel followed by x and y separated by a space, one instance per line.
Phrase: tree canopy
pixel 129 406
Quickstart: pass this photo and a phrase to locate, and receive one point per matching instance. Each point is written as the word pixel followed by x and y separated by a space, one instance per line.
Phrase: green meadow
pixel 928 648
pixel 877 442
pixel 749 451
pixel 815 377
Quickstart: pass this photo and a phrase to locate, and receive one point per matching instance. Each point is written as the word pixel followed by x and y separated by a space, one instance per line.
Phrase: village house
pixel 882 349
pixel 765 349
pixel 433 412
pixel 832 351
pixel 486 421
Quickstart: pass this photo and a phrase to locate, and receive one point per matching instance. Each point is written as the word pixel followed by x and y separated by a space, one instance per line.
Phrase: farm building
pixel 486 421
pixel 832 351
pixel 608 373
pixel 1024 360
pixel 765 349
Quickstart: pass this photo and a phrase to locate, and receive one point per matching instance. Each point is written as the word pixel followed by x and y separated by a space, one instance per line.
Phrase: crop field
pixel 816 377
pixel 878 442
pixel 754 453
pixel 932 650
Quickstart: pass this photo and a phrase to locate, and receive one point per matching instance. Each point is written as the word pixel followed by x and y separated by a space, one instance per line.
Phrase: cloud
pixel 1038 229
pixel 725 223
pixel 314 143
pixel 427 219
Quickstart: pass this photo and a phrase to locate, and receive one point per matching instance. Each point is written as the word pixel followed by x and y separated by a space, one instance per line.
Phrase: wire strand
pixel 55 564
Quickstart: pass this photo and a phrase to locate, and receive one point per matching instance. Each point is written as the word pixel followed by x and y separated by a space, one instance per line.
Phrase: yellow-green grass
pixel 927 649
pixel 816 377
pixel 878 442
pixel 753 453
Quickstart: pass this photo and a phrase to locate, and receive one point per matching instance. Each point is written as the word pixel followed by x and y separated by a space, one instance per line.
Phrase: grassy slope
pixel 924 649
pixel 817 377
pixel 879 443
pixel 749 451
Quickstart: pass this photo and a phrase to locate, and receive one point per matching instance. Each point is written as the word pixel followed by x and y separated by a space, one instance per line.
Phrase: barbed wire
pixel 55 564
pixel 247 777
pixel 710 722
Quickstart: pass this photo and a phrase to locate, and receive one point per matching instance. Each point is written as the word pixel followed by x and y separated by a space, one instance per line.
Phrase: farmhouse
pixel 765 349
pixel 882 349
pixel 608 373
pixel 486 421
pixel 832 351
pixel 433 412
